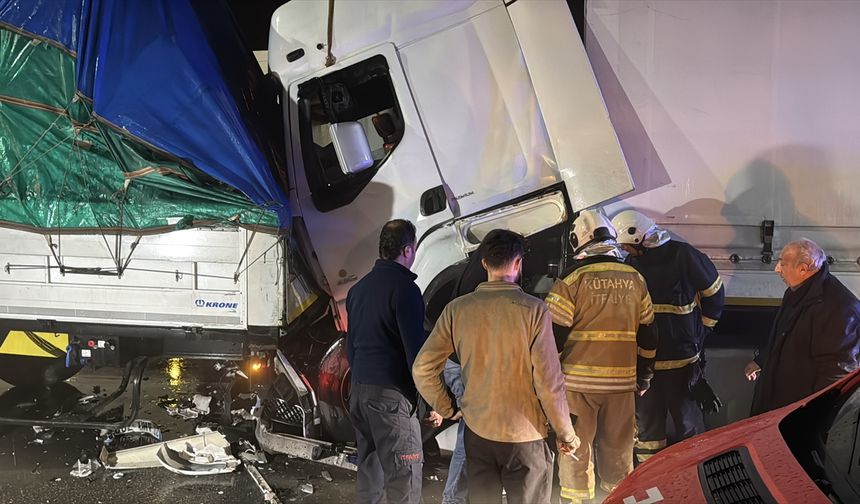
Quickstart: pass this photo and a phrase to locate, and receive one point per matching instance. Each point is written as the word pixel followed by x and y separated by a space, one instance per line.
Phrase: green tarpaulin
pixel 63 169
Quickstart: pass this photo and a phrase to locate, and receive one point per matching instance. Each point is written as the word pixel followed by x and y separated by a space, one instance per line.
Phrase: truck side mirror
pixel 351 146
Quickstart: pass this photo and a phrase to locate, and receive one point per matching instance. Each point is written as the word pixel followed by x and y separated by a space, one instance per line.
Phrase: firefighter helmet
pixel 632 227
pixel 590 227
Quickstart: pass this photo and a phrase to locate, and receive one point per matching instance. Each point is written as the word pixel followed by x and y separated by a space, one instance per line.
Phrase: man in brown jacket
pixel 603 313
pixel 512 378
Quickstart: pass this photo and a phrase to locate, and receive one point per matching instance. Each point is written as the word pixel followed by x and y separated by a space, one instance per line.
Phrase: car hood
pixel 673 475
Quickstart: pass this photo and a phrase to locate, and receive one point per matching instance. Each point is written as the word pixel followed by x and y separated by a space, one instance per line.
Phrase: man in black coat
pixel 815 339
pixel 385 333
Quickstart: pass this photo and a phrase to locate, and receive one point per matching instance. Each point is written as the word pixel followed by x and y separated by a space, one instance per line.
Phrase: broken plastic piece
pixel 201 403
pixel 88 399
pixel 183 413
pixel 138 433
pixel 327 476
pixel 82 468
pixel 147 456
pixel 307 488
pixel 249 453
pixel 197 460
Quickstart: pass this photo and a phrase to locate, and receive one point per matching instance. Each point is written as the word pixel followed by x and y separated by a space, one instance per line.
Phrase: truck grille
pixel 730 478
pixel 284 416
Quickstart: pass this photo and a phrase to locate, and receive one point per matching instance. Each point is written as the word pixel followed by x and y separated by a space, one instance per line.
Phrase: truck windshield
pixel 823 436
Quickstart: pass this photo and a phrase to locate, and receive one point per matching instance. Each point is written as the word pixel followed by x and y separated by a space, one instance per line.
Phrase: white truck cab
pixel 461 116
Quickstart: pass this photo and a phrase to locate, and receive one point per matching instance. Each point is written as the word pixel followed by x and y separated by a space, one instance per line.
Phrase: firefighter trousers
pixel 605 426
pixel 669 395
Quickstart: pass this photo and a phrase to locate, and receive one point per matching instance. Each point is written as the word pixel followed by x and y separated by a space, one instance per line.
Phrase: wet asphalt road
pixel 33 471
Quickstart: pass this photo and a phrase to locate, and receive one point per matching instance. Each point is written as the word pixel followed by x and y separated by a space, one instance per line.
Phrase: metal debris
pixel 183 413
pixel 186 408
pixel 306 448
pixel 250 454
pixel 307 488
pixel 269 495
pixel 88 399
pixel 138 433
pixel 42 435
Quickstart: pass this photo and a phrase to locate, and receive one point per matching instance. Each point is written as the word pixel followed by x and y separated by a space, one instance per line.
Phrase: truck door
pixel 344 207
pixel 583 139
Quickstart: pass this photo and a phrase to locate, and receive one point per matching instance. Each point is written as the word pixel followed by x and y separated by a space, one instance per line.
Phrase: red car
pixel 807 452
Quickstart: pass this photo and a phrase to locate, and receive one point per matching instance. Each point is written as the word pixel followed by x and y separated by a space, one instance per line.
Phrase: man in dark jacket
pixel 688 297
pixel 815 339
pixel 386 317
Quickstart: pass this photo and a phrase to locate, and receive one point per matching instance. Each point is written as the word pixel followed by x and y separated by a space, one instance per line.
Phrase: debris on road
pixel 306 448
pixel 186 408
pixel 201 403
pixel 202 429
pixel 249 453
pixel 230 370
pixel 84 467
pixel 42 434
pixel 269 495
pixel 327 476
pixel 307 488
pixel 199 458
pixel 183 413
pixel 138 433
pixel 89 399
pixel 147 456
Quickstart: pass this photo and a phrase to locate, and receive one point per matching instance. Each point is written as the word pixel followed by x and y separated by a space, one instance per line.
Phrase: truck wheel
pixel 34 372
pixel 333 394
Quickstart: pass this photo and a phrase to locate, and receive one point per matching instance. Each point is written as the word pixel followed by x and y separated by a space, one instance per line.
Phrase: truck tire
pixel 34 372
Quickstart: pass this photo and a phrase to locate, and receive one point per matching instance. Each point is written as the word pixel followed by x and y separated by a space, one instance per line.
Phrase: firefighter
pixel 602 313
pixel 688 297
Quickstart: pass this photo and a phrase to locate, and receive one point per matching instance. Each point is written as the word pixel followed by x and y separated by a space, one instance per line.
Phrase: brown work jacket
pixel 510 368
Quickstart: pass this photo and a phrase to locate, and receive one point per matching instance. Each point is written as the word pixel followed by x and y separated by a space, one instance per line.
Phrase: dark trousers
pixel 669 395
pixel 389 445
pixel 524 470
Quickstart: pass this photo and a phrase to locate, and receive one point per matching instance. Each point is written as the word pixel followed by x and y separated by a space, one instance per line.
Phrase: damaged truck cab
pixel 459 116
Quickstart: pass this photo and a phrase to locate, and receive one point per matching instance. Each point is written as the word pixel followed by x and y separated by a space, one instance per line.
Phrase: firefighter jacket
pixel 604 302
pixel 688 297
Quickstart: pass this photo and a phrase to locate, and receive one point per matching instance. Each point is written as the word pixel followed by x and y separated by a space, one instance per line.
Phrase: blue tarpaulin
pixel 175 75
